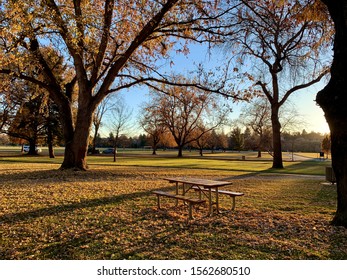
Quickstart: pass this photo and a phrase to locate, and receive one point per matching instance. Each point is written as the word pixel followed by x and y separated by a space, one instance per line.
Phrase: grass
pixel 108 212
pixel 217 161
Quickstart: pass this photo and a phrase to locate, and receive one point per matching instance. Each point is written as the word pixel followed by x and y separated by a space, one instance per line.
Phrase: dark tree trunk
pixel 276 138
pixel 96 127
pixel 50 141
pixel 51 150
pixel 32 147
pixel 180 151
pixel 76 151
pixel 333 101
pixel 115 153
pixel 76 138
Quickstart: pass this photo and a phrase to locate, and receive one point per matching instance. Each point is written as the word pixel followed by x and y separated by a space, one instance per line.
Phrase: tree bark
pixel 276 138
pixel 32 147
pixel 96 128
pixel 76 138
pixel 50 142
pixel 333 100
pixel 180 151
pixel 259 154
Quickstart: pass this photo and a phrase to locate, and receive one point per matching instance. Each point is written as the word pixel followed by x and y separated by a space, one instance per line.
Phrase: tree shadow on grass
pixel 54 210
pixel 56 176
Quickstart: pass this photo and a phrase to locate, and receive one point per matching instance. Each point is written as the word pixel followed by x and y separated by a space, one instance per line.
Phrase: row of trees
pixel 237 140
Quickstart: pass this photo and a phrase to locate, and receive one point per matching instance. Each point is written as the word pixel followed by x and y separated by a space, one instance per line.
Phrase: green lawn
pixel 191 160
pixel 109 212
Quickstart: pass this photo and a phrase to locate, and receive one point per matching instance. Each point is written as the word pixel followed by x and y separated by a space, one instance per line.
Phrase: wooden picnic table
pixel 204 186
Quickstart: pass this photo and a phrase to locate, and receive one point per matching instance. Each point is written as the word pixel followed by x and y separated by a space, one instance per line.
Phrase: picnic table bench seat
pixel 229 193
pixel 190 201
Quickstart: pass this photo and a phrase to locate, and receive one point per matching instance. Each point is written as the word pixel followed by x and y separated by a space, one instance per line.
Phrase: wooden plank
pixel 220 191
pixel 180 197
pixel 196 181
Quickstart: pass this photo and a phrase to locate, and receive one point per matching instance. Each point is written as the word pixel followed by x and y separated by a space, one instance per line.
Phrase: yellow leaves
pixel 109 213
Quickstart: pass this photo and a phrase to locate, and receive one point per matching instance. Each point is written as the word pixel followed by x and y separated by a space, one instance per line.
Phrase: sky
pixel 303 101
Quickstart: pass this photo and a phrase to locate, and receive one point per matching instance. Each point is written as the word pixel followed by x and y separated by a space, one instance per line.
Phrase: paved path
pixel 275 176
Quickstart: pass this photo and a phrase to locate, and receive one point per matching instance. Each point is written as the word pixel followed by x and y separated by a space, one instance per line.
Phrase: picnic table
pixel 205 187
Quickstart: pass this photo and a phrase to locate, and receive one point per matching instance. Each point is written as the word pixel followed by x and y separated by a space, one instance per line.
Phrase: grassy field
pixel 109 212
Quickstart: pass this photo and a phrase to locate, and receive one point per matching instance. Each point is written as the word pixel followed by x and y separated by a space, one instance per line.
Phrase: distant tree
pixel 222 141
pixel 152 124
pixel 257 115
pixel 168 140
pixel 237 139
pixel 29 123
pixel 110 139
pixel 185 110
pixel 326 145
pixel 54 130
pixel 98 115
pixel 203 141
pixel 250 143
pixel 283 42
pixel 120 123
pixel 218 140
pixel 142 140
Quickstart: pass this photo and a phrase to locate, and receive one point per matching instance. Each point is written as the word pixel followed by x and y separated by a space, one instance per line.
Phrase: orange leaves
pixel 86 31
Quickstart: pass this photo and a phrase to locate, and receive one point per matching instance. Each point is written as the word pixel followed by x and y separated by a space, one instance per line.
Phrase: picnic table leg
pixel 217 200
pixel 190 212
pixel 158 201
pixel 176 193
pixel 233 207
pixel 184 192
pixel 210 209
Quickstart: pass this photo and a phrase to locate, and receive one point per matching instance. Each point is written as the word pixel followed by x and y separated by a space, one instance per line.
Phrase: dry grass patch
pixel 109 213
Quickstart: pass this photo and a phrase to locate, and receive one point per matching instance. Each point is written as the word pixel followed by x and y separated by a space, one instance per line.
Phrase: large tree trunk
pixel 76 138
pixel 276 138
pixel 32 147
pixel 333 100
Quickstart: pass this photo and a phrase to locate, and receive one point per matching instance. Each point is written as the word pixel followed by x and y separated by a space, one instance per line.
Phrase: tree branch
pixel 104 40
pixel 304 85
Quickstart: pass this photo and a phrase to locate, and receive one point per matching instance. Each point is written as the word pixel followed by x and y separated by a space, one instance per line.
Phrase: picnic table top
pixel 198 181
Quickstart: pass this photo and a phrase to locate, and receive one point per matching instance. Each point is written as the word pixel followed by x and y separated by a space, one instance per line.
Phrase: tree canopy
pixel 106 46
pixel 278 46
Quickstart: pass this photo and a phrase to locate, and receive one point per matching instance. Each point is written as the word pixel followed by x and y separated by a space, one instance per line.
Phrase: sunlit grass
pixel 311 167
pixel 109 212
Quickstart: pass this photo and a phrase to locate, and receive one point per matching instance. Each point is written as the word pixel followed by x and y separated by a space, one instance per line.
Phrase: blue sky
pixel 303 101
